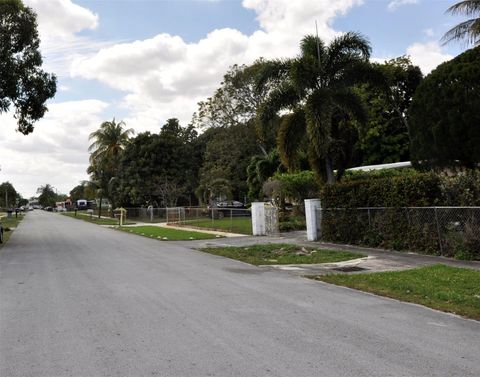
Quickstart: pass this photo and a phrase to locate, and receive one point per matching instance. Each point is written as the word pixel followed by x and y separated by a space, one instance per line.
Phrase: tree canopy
pixel 444 118
pixel 23 83
pixel 108 143
pixel 316 89
pixel 384 137
pixel 159 169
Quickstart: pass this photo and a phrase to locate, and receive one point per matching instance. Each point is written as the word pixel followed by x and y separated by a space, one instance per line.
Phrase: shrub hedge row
pixel 448 232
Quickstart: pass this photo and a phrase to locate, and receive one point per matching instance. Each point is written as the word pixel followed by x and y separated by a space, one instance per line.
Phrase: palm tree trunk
pixel 329 170
pixel 100 208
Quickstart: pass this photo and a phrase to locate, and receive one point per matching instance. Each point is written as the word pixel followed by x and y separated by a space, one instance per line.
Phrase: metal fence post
pixel 438 230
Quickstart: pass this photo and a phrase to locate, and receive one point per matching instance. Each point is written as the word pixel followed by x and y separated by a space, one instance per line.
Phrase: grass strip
pixel 9 226
pixel 240 225
pixel 282 254
pixel 166 234
pixel 450 289
pixel 94 219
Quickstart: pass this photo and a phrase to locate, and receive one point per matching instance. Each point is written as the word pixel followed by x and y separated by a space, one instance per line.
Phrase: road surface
pixel 77 299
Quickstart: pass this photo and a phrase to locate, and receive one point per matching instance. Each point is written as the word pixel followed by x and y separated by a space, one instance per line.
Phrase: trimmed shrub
pixel 447 231
pixel 412 190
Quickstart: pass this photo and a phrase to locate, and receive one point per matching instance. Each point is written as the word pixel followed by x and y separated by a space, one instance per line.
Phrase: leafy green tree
pixel 23 83
pixel 82 191
pixel 444 118
pixel 21 201
pixel 469 30
pixel 47 195
pixel 384 137
pixel 317 91
pixel 107 147
pixel 236 102
pixel 8 195
pixel 227 154
pixel 160 169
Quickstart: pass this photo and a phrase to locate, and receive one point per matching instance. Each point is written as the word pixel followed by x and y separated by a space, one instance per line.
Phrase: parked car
pixel 228 208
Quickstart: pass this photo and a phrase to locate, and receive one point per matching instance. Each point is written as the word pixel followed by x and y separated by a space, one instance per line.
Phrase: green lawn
pixel 451 289
pixel 8 226
pixel 240 225
pixel 282 254
pixel 94 219
pixel 166 234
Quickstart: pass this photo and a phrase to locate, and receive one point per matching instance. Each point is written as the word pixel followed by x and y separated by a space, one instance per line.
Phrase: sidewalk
pixel 375 260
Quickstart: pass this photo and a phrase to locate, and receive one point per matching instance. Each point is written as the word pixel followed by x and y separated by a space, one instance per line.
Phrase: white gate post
pixel 258 219
pixel 313 226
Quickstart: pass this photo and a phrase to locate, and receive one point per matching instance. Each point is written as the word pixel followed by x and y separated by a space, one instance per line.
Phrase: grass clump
pixel 166 234
pixel 451 289
pixel 282 254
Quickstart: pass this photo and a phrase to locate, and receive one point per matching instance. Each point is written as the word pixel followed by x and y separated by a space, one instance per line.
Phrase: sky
pixel 145 61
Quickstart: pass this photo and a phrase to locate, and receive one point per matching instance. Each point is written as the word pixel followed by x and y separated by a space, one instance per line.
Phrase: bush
pixel 463 189
pixel 292 186
pixel 411 190
pixel 400 228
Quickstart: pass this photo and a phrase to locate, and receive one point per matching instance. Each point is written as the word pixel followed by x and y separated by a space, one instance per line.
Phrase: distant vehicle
pixel 60 207
pixel 30 208
pixel 49 209
pixel 228 208
pixel 82 204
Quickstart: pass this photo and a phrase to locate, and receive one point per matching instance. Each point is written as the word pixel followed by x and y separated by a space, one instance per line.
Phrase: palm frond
pixel 290 136
pixel 304 74
pixel 468 30
pixel 318 115
pixel 312 46
pixel 358 72
pixel 350 103
pixel 466 7
pixel 283 97
pixel 348 44
pixel 271 70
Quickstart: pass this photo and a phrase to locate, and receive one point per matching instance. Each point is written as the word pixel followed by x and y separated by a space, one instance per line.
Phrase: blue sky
pixel 147 61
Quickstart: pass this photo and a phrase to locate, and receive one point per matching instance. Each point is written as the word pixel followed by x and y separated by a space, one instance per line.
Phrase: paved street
pixel 77 299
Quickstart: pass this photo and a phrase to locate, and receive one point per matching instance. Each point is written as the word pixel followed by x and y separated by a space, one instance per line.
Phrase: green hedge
pixel 411 190
pixel 448 232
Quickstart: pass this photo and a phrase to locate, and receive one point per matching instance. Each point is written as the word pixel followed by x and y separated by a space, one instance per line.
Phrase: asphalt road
pixel 77 299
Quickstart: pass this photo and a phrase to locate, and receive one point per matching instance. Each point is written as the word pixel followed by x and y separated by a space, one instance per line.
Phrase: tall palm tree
pixel 109 141
pixel 106 149
pixel 468 30
pixel 316 89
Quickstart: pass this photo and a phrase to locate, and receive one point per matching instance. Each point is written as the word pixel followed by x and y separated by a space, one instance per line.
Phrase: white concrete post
pixel 258 219
pixel 313 226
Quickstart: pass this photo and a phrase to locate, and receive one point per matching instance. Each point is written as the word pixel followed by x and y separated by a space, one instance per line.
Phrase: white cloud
pixel 395 4
pixel 161 77
pixel 164 76
pixel 62 17
pixel 59 22
pixel 427 55
pixel 55 153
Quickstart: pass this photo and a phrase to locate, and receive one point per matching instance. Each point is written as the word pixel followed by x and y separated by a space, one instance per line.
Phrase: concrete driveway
pixel 77 299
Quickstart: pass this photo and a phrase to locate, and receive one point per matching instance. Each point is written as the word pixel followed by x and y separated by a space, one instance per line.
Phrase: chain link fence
pixel 222 219
pixel 448 231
